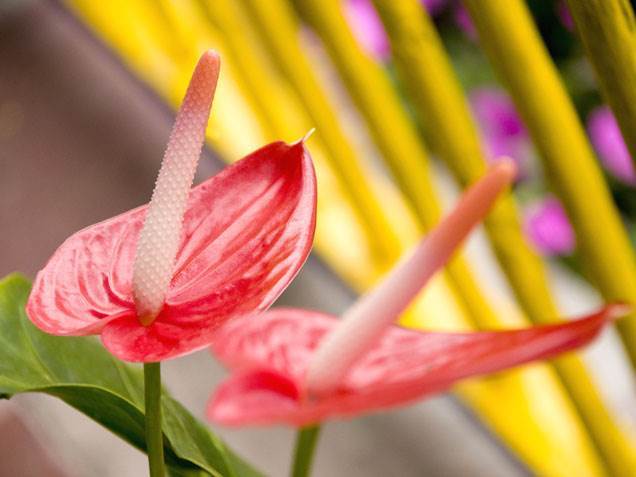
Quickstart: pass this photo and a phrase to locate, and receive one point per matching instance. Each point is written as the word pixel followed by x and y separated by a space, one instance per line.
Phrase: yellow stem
pixel 607 29
pixel 513 44
pixel 437 97
pixel 279 33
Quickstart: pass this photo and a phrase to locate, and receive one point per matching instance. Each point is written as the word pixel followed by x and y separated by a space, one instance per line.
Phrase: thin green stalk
pixel 437 97
pixel 510 39
pixel 154 434
pixel 607 29
pixel 306 440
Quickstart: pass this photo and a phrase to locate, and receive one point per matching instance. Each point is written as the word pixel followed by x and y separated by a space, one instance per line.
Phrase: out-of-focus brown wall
pixel 80 141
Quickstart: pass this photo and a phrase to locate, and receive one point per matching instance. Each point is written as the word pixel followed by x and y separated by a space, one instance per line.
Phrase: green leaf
pixel 84 375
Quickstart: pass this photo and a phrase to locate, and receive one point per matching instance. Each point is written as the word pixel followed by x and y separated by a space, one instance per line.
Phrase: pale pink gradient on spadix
pixel 370 316
pixel 161 234
pixel 300 367
pixel 156 282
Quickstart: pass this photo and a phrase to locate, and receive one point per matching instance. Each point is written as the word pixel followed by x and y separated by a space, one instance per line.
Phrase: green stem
pixel 154 435
pixel 306 440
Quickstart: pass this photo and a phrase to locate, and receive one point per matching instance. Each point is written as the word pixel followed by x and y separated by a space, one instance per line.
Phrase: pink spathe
pixel 270 356
pixel 226 248
pixel 301 367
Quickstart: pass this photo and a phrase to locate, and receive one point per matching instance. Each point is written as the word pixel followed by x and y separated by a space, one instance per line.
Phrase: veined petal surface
pixel 247 231
pixel 269 356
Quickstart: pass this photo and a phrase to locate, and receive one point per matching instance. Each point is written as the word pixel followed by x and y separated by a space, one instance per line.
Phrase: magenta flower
pixel 157 281
pixel 368 29
pixel 565 16
pixel 549 229
pixel 502 130
pixel 464 22
pixel 609 144
pixel 301 367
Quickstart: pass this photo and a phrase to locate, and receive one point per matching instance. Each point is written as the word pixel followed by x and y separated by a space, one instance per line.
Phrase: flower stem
pixel 154 435
pixel 306 440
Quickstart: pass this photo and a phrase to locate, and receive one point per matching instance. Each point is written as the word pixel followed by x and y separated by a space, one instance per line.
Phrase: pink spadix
pixel 160 237
pixel 364 323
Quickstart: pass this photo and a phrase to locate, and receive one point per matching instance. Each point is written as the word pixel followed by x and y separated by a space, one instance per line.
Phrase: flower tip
pixel 307 135
pixel 301 142
pixel 210 62
pixel 619 310
pixel 211 56
pixel 507 168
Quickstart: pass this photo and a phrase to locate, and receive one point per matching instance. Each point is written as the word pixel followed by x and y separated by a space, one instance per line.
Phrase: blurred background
pixel 88 92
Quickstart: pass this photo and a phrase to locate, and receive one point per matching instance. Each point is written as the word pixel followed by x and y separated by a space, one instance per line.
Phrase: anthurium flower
pixel 157 281
pixel 301 367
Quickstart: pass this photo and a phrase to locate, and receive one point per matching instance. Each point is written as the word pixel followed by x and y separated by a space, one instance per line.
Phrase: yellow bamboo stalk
pixel 436 95
pixel 227 18
pixel 283 116
pixel 394 134
pixel 607 29
pixel 281 38
pixel 510 39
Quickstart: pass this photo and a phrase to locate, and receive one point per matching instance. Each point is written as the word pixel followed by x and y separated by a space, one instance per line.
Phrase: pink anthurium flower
pixel 157 281
pixel 301 367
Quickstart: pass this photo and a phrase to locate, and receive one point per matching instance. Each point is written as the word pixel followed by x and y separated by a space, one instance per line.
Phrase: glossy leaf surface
pixel 84 375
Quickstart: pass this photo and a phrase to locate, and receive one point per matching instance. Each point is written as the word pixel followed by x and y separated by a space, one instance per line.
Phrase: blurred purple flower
pixel 502 130
pixel 563 12
pixel 608 142
pixel 548 228
pixel 434 7
pixel 368 29
pixel 464 22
